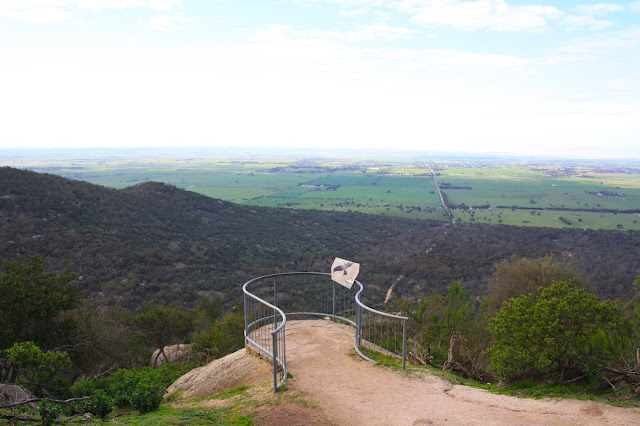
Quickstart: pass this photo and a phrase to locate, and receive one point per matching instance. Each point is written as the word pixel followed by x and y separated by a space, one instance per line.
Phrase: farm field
pixel 567 194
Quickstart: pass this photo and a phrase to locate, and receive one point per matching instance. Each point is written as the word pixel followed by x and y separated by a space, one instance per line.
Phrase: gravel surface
pixel 351 391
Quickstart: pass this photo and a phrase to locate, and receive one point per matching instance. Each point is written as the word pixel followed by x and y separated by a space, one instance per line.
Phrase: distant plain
pixel 577 194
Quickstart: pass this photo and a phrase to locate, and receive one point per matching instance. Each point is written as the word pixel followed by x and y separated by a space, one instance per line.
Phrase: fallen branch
pixel 16 418
pixel 609 383
pixel 576 379
pixel 31 400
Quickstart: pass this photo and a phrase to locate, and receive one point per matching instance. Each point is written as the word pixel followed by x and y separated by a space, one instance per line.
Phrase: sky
pixel 530 78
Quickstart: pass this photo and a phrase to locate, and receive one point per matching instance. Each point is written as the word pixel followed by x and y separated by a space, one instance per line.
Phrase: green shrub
pixel 562 329
pixel 224 337
pixel 99 404
pixel 147 395
pixel 48 412
pixel 141 389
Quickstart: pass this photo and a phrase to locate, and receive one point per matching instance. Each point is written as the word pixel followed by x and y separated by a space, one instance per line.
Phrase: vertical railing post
pixel 246 319
pixel 333 309
pixel 404 344
pixel 275 362
pixel 275 313
pixel 358 324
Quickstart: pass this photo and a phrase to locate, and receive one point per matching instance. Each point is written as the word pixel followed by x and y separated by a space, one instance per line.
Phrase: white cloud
pixel 164 5
pixel 164 22
pixel 600 8
pixel 601 45
pixel 575 22
pixel 41 14
pixel 99 5
pixel 494 15
pixel 364 33
pixel 62 10
pixel 354 12
pixel 445 57
pixel 635 6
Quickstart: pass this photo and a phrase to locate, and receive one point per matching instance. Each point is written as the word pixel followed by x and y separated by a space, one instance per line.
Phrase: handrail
pixel 357 341
pixel 274 334
pixel 260 315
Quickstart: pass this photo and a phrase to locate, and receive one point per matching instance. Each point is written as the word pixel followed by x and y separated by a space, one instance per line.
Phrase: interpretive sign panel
pixel 344 272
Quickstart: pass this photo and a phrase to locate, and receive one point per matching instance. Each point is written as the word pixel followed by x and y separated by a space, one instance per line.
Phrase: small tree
pixel 30 366
pixel 224 337
pixel 162 326
pixel 559 329
pixel 31 301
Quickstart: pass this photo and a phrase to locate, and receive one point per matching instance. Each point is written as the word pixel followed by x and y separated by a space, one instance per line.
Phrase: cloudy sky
pixel 530 77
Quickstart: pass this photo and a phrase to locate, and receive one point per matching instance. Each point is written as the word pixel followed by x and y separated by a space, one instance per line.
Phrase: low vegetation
pixel 555 333
pixel 62 356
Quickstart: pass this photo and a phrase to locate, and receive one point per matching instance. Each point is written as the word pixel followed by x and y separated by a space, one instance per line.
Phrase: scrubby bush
pixel 99 404
pixel 560 330
pixel 224 337
pixel 48 412
pixel 147 395
pixel 141 389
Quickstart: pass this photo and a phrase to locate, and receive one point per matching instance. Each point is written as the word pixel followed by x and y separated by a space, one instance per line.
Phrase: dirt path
pixel 351 391
pixel 390 291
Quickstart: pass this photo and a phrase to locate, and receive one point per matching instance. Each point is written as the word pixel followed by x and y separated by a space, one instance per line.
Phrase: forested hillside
pixel 157 243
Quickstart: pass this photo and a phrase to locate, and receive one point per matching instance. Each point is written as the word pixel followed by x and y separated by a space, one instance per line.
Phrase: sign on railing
pixel 344 272
pixel 380 337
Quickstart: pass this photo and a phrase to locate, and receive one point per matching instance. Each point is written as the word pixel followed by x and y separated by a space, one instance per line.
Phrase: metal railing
pixel 380 337
pixel 268 301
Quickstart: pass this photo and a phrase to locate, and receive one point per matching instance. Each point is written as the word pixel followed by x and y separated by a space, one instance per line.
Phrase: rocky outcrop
pixel 173 353
pixel 236 369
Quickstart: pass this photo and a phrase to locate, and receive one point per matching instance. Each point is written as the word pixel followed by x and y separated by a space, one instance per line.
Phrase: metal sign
pixel 344 272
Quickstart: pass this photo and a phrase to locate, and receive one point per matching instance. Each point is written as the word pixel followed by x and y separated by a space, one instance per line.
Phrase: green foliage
pixel 559 330
pixel 35 366
pixel 229 393
pixel 99 404
pixel 224 337
pixel 49 413
pixel 141 389
pixel 437 318
pixel 107 342
pixel 147 395
pixel 170 416
pixel 31 301
pixel 164 325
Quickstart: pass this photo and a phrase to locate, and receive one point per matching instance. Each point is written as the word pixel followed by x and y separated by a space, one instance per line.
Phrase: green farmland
pixel 578 195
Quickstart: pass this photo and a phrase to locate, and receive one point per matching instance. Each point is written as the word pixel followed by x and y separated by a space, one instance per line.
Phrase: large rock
pixel 174 353
pixel 236 369
pixel 15 393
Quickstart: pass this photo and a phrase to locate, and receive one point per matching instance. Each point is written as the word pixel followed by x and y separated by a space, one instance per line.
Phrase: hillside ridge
pixel 157 243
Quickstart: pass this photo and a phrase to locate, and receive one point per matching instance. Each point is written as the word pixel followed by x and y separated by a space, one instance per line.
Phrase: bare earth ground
pixel 350 391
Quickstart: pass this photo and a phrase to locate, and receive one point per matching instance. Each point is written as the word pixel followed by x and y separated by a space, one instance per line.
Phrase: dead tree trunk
pixel 456 337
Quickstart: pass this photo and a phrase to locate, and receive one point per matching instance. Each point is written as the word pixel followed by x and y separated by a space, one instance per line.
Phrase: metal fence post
pixel 275 362
pixel 404 344
pixel 333 310
pixel 358 324
pixel 275 314
pixel 246 317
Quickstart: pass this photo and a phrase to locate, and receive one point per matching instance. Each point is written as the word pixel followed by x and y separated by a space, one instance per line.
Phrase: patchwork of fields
pixel 577 195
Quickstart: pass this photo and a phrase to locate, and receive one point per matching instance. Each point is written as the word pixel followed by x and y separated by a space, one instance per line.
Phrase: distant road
pixel 444 205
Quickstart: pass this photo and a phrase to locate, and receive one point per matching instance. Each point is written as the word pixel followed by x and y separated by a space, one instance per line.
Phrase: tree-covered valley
pixel 159 244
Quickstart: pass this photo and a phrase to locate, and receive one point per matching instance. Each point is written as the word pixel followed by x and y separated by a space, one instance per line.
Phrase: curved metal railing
pixel 269 299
